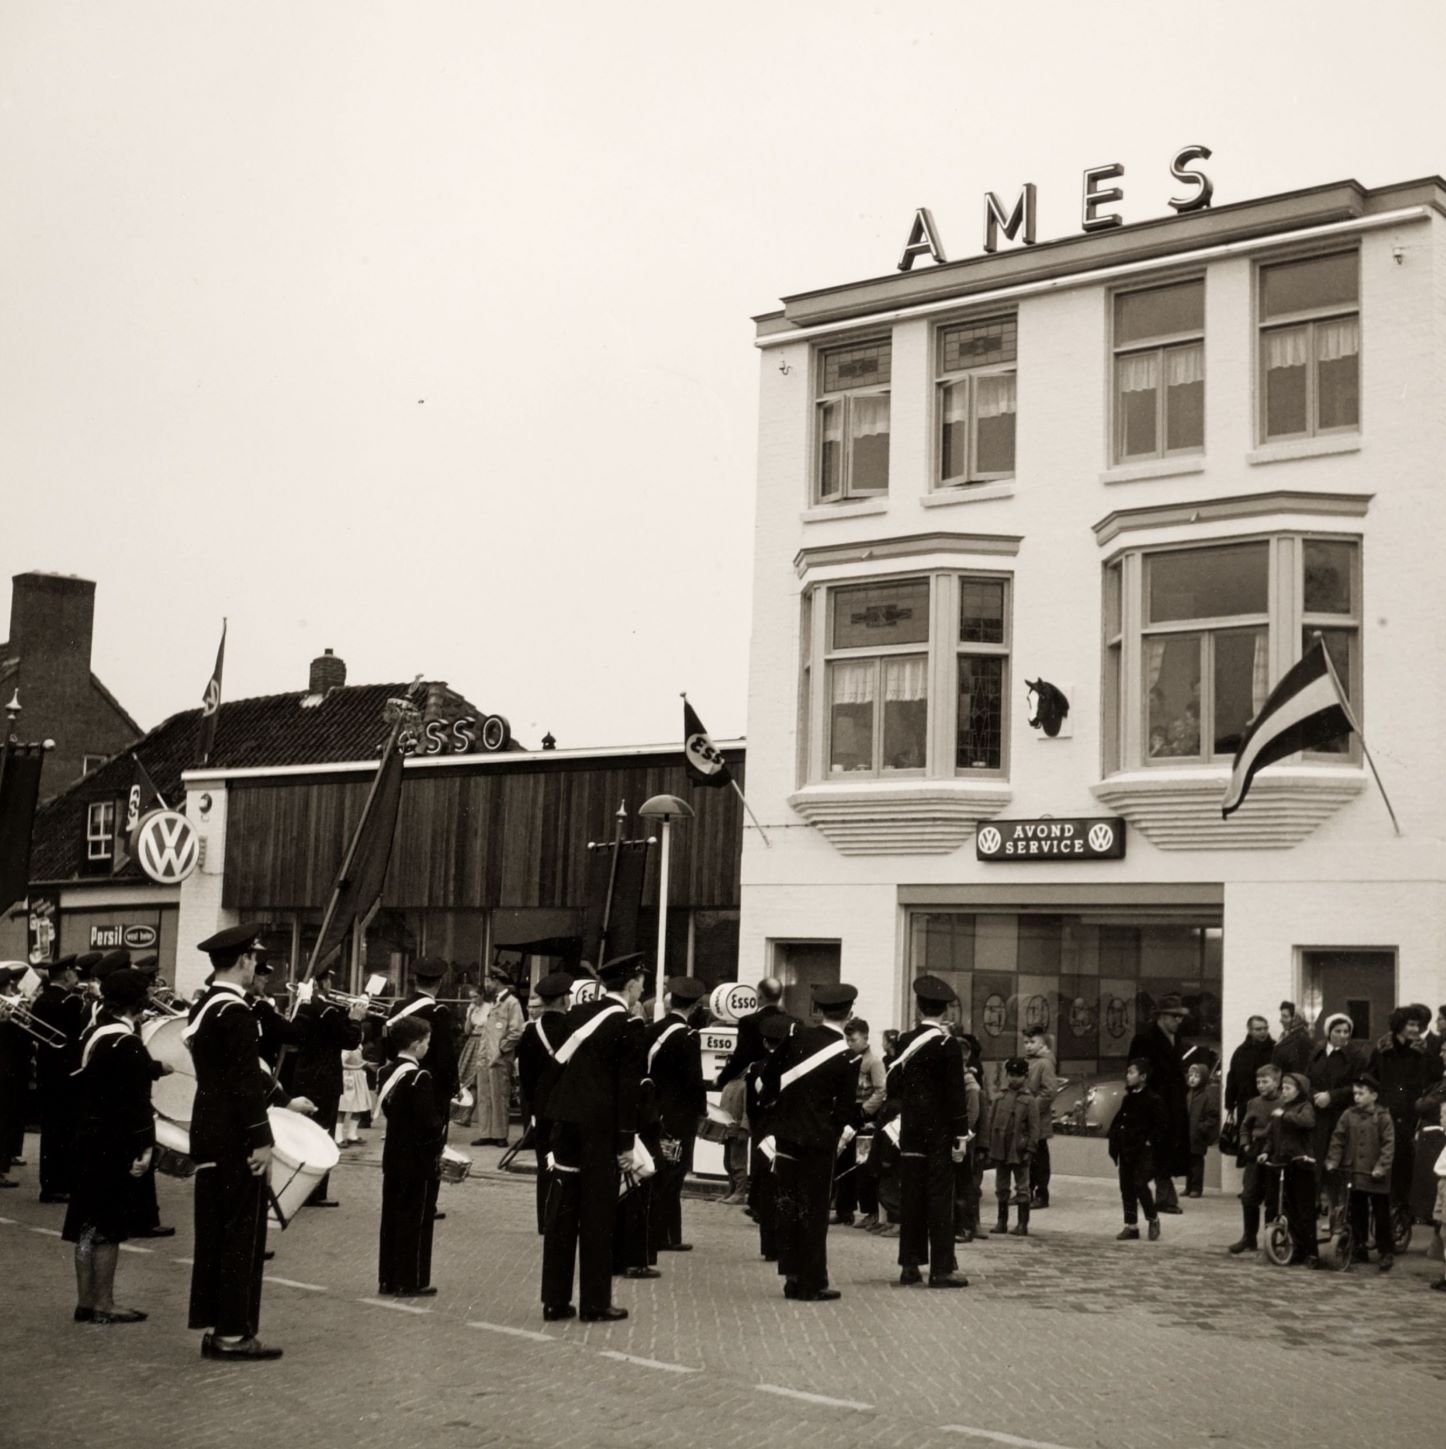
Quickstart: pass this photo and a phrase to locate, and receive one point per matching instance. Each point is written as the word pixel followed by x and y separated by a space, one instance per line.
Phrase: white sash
pixel 114 1028
pixel 224 998
pixel 808 1064
pixel 404 1070
pixel 411 1007
pixel 568 1049
pixel 662 1037
pixel 930 1033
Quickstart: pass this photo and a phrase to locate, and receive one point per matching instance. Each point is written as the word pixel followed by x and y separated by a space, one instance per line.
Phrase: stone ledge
pixel 1180 809
pixel 933 817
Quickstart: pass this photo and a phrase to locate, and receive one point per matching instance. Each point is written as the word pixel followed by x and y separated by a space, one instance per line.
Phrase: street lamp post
pixel 666 809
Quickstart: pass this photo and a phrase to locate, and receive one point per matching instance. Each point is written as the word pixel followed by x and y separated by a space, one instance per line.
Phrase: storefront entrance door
pixel 1362 984
pixel 802 965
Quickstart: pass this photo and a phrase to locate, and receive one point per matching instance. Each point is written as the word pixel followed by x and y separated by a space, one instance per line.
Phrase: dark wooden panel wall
pixel 504 836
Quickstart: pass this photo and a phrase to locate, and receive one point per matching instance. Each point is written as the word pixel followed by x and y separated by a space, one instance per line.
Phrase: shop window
pixel 715 947
pixel 852 437
pixel 1310 344
pixel 100 832
pixel 1159 365
pixel 976 386
pixel 1203 624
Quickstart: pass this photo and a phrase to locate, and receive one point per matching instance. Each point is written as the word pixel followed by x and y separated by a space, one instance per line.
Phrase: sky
pixel 422 331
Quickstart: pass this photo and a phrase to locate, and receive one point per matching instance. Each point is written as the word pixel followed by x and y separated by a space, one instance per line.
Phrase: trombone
pixel 17 1012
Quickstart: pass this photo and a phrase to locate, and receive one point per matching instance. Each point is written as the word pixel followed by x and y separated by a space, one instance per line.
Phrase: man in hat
pixel 810 1087
pixel 926 1081
pixel 593 1106
pixel 537 1071
pixel 324 1030
pixel 1160 1045
pixel 61 1006
pixel 231 1142
pixel 442 1053
pixel 675 1064
pixel 497 1060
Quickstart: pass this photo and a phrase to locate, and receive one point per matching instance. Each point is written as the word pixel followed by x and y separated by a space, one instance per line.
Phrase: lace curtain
pixel 1333 341
pixel 869 416
pixel 905 680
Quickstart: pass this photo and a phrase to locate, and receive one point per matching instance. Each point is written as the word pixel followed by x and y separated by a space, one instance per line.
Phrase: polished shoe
pixel 817 1295
pixel 157 1232
pixel 998 1229
pixel 1386 1264
pixel 675 1247
pixel 438 1216
pixel 1194 1192
pixel 731 1199
pixel 1019 1230
pixel 889 1230
pixel 790 1287
pixel 1039 1202
pixel 909 1276
pixel 1245 1245
pixel 83 1315
pixel 868 1222
pixel 247 1350
pixel 964 1235
pixel 948 1280
pixel 556 1312
pixel 1128 1235
pixel 842 1220
pixel 481 1142
pixel 321 1202
pixel 641 1273
pixel 1153 1230
pixel 603 1315
pixel 428 1292
pixel 1439 1286
pixel 102 1319
pixel 385 1292
pixel 1173 1208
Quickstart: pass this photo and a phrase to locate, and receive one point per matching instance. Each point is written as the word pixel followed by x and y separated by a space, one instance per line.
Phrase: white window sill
pixel 1305 448
pixel 898 817
pixel 968 493
pixel 1154 468
pixel 855 508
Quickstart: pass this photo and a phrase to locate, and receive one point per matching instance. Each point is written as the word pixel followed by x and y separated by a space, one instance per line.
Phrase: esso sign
pixel 588 989
pixel 466 736
pixel 732 1001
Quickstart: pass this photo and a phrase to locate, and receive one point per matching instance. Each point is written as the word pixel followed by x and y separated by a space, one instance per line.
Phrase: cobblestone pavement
pixel 1064 1339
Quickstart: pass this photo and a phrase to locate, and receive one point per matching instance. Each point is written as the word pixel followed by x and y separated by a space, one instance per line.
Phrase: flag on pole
pixel 211 702
pixel 20 767
pixel 1305 710
pixel 141 799
pixel 704 763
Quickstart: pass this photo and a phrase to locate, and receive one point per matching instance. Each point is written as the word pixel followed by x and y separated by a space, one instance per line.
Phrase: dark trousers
pixel 1135 1175
pixel 969 1189
pixel 1195 1178
pixel 1300 1207
pixel 763 1201
pixel 1258 1187
pixel 1165 1193
pixel 1403 1164
pixel 404 1250
pixel 1039 1172
pixel 1011 1184
pixel 12 1120
pixel 325 1116
pixel 632 1228
pixel 1367 1209
pixel 804 1181
pixel 542 1145
pixel 230 1242
pixel 665 1223
pixel 148 1207
pixel 581 1204
pixel 926 1209
pixel 57 1140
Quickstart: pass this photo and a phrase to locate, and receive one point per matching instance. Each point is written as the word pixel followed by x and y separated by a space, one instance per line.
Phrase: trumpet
pixel 377 1009
pixel 17 1012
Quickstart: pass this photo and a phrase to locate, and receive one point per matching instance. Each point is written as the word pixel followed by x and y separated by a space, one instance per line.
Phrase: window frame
pixel 1308 318
pixel 847 492
pixel 945 379
pixel 100 827
pixel 89 761
pixel 1157 346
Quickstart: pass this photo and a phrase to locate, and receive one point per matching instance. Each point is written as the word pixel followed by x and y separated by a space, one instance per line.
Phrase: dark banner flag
pixel 211 702
pixel 364 868
pixel 704 764
pixel 20 767
pixel 627 899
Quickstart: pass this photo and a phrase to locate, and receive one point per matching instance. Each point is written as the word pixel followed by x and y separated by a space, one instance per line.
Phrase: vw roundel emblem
pixel 167 846
pixel 989 841
pixel 1102 837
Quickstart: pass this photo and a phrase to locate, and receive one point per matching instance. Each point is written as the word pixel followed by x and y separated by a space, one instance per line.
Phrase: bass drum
pixel 173 1095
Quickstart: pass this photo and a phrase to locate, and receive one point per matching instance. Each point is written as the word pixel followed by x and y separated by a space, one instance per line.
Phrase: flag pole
pixel 751 815
pixel 1350 715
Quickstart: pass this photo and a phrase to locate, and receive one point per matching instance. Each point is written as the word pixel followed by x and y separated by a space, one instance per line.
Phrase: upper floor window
pixel 91 762
pixel 100 830
pixel 853 421
pixel 1310 344
pixel 1159 350
pixel 977 389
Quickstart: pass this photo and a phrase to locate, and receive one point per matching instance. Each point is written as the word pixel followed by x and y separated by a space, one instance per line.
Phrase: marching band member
pixel 428 973
pixel 593 1106
pixel 325 1029
pixel 762 1186
pixel 926 1079
pixel 537 1071
pixel 675 1064
pixel 17 1048
pixel 809 1087
pixel 60 1005
pixel 115 1133
pixel 231 1142
pixel 416 1134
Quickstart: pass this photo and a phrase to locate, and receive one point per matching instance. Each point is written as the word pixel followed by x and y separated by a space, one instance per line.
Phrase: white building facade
pixel 1146 465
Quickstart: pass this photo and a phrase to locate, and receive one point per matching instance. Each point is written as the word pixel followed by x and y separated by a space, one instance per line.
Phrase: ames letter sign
pixel 1102 839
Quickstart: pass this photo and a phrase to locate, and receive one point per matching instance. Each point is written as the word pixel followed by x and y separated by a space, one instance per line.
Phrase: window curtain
pixel 852 681
pixel 869 416
pixel 996 394
pixel 1335 340
pixel 1286 349
pixel 1259 675
pixel 831 418
pixel 956 403
pixel 1154 652
pixel 905 679
pixel 1184 365
pixel 1139 372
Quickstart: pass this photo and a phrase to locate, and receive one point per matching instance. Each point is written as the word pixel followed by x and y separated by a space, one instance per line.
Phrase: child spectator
pixel 1258 1184
pixel 1044 1082
pixel 1013 1135
pixel 1203 1106
pixel 356 1098
pixel 855 1189
pixel 1289 1138
pixel 1135 1138
pixel 1439 1211
pixel 732 1102
pixel 1364 1146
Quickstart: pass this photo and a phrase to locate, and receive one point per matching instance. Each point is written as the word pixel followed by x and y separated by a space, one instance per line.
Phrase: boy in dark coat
pixel 1258 1183
pixel 1364 1146
pixel 1288 1146
pixel 416 1134
pixel 1136 1135
pixel 1203 1105
pixel 1012 1136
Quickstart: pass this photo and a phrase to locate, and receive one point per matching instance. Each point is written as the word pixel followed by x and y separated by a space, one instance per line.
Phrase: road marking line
pixel 531 1333
pixel 292 1283
pixel 185 1262
pixel 999 1438
pixel 49 1232
pixel 9 1222
pixel 656 1363
pixel 813 1398
pixel 132 1248
pixel 388 1303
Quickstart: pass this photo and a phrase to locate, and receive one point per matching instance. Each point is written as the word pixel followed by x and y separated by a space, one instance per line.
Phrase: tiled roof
pixel 345 724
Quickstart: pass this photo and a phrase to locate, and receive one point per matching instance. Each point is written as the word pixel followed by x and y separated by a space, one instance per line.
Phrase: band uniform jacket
pixel 228 1119
pixel 814 1109
pixel 324 1031
pixel 748 1048
pixel 677 1073
pixel 66 1012
pixel 597 1090
pixel 416 1127
pixel 929 1088
pixel 537 1068
pixel 442 1053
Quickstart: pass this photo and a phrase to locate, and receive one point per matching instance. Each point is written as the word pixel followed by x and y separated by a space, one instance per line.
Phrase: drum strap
pixel 404 1070
pixel 115 1028
pixel 892 1130
pixel 414 1006
pixel 662 1037
pixel 565 1053
pixel 809 1064
pixel 218 1002
pixel 929 1033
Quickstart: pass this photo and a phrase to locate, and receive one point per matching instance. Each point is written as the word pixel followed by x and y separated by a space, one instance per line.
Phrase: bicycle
pixel 1279 1243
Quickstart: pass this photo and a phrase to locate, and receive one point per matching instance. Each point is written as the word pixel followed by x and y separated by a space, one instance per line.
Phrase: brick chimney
pixel 327 673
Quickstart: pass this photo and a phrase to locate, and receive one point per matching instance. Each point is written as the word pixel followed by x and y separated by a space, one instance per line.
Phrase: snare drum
pixel 455 1165
pixel 301 1156
pixel 173 1150
pixel 173 1095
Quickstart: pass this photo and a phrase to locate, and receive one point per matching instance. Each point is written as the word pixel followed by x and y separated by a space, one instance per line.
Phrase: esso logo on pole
pixel 588 989
pixel 732 1001
pixel 167 846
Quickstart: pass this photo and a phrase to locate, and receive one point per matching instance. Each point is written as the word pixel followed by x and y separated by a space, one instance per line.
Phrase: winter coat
pixel 1043 1082
pixel 1254 1125
pixel 1332 1072
pixel 1404 1072
pixel 1167 1081
pixel 1245 1061
pixel 1203 1105
pixel 1293 1051
pixel 1364 1144
pixel 1013 1131
pixel 1139 1127
pixel 1290 1129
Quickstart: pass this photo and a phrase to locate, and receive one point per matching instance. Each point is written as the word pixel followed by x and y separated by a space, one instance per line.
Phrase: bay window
pixel 976 401
pixel 852 421
pixel 1310 343
pixel 1159 363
